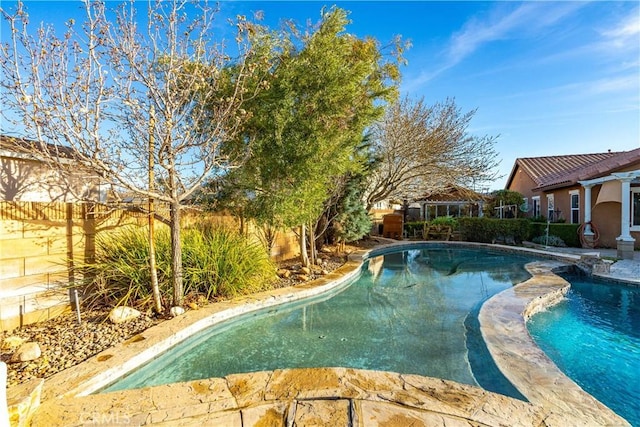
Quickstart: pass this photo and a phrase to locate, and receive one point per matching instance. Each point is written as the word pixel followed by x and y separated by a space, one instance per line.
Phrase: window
pixel 575 206
pixel 635 209
pixel 550 207
pixel 536 206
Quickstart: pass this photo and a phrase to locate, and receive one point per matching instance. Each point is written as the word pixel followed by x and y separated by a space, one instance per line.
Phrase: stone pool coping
pixel 363 397
pixel 503 325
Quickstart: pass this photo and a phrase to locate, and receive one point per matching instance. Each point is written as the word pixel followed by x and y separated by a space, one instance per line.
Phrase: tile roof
pixel 31 148
pixel 593 170
pixel 558 171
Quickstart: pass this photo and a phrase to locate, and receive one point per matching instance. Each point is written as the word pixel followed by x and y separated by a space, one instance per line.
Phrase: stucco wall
pixel 32 181
pixel 523 184
pixel 605 216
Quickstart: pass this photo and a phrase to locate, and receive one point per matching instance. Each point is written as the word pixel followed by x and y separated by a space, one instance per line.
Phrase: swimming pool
pixel 594 337
pixel 409 311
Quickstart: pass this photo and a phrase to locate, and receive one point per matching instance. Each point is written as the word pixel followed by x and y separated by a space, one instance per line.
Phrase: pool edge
pixel 503 325
pixel 77 382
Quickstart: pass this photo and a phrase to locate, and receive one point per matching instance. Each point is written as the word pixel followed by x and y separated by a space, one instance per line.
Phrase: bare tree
pixel 424 147
pixel 91 91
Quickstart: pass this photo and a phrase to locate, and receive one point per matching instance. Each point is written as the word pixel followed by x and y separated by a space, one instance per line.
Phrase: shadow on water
pixel 484 369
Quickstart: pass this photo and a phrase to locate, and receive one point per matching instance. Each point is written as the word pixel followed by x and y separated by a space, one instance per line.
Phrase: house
pixel 601 191
pixel 42 228
pixel 27 174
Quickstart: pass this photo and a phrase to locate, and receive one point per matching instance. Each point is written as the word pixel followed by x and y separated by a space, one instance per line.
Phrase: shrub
pixel 539 218
pixel 445 220
pixel 567 232
pixel 488 230
pixel 411 227
pixel 217 262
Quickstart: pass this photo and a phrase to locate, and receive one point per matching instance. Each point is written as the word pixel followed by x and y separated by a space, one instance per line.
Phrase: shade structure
pixel 611 191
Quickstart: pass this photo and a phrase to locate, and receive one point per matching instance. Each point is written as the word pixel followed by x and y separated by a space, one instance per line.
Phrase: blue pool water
pixel 594 337
pixel 413 312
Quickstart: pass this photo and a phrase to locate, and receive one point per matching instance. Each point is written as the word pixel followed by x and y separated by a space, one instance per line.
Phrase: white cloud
pixel 627 30
pixel 503 22
pixel 624 84
pixel 528 19
pixel 614 85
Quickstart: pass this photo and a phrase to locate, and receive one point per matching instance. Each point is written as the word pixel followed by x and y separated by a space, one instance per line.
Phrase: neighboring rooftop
pixel 559 171
pixel 451 193
pixel 21 147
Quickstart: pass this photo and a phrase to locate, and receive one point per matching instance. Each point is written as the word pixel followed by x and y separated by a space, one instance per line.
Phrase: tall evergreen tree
pixel 326 87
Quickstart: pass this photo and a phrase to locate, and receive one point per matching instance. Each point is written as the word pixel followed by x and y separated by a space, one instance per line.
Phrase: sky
pixel 545 77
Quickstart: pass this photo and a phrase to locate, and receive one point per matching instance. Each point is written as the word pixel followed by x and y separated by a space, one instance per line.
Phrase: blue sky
pixel 548 77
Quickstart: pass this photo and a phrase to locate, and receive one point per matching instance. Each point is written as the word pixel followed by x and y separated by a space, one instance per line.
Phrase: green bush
pixel 217 263
pixel 539 218
pixel 489 230
pixel 445 220
pixel 567 232
pixel 411 227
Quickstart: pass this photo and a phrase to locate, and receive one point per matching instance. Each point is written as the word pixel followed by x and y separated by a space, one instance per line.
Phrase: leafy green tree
pixel 353 220
pixel 345 218
pixel 326 87
pixel 508 203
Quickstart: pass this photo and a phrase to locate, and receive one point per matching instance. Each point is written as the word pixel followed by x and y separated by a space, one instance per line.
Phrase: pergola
pixel 615 188
pixel 452 200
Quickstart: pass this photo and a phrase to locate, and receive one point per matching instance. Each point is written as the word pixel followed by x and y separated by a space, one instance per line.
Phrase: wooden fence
pixel 39 242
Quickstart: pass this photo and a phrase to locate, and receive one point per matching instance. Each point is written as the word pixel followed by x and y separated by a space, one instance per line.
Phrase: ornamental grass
pixel 217 263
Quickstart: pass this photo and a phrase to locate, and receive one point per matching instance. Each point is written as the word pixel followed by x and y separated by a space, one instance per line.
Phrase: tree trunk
pixel 304 258
pixel 176 254
pixel 242 227
pixel 152 261
pixel 152 246
pixel 312 245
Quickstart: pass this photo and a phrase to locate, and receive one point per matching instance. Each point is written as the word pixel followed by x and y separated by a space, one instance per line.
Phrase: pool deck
pixel 335 396
pixel 624 270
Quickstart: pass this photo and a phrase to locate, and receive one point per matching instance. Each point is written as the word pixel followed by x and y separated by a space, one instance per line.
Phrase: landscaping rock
pixel 192 306
pixel 123 314
pixel 27 352
pixel 12 342
pixel 284 273
pixel 305 270
pixel 302 277
pixel 65 342
pixel 176 311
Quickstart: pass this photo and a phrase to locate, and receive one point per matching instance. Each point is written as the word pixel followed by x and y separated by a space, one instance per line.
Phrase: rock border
pixel 503 325
pixel 299 397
